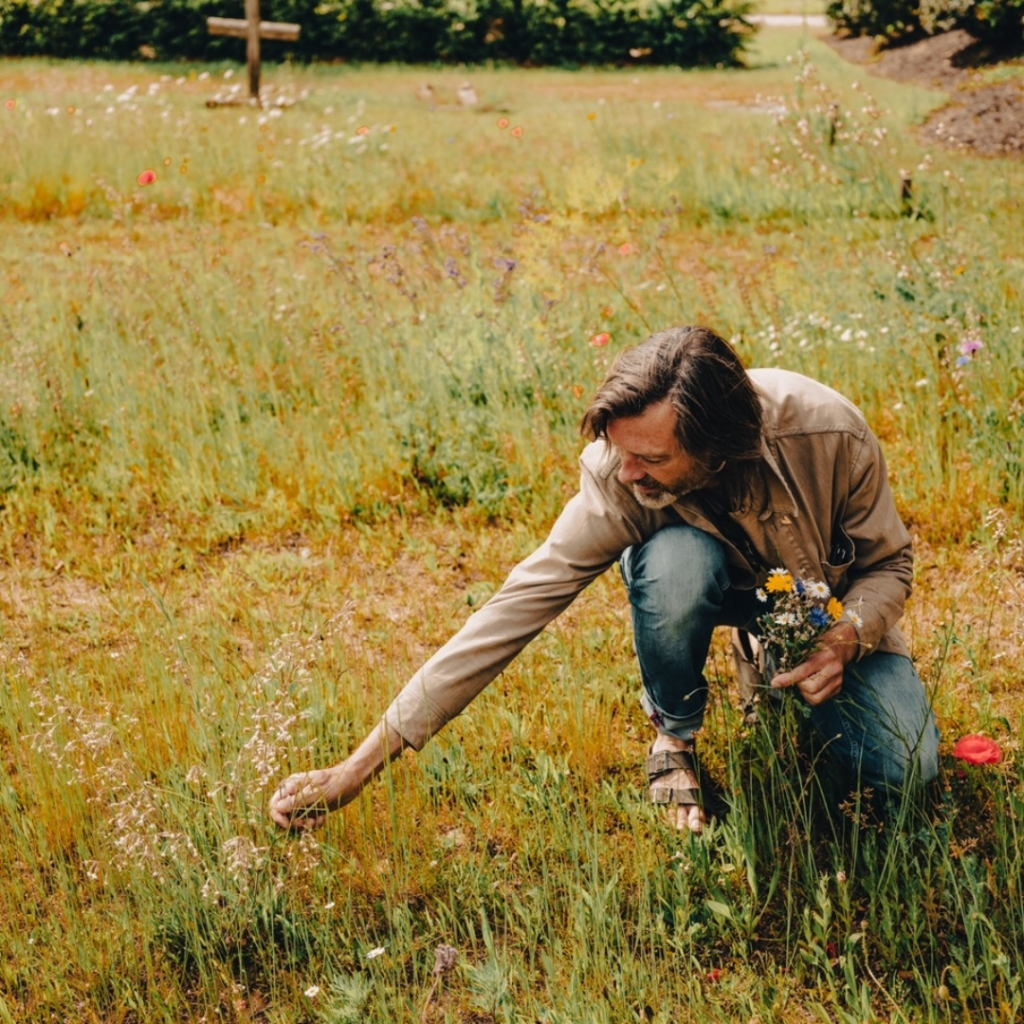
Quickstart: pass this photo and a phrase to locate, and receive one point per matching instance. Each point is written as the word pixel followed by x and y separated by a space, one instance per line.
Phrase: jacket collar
pixel 780 498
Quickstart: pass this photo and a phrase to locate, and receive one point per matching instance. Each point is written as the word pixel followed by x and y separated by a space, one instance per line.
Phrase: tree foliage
pixel 996 22
pixel 533 32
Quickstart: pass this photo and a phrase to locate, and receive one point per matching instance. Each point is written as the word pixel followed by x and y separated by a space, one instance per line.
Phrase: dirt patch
pixel 984 118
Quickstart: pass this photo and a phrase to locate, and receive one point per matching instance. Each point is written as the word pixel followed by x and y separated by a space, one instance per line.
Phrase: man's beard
pixel 655 500
pixel 657 496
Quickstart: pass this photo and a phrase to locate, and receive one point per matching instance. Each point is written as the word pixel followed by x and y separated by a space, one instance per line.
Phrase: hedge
pixel 528 32
pixel 998 23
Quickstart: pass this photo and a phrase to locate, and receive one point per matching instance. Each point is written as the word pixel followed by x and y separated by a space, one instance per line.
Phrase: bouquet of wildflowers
pixel 801 611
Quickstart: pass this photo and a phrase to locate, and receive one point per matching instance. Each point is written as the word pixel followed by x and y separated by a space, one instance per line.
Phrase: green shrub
pixel 998 22
pixel 112 29
pixel 889 18
pixel 538 32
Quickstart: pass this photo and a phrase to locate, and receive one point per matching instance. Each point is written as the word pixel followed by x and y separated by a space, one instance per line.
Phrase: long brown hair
pixel 718 411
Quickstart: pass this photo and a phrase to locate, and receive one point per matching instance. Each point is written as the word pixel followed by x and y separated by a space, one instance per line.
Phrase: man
pixel 700 478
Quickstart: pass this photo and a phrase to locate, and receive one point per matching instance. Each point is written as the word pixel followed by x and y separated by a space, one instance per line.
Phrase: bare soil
pixel 986 118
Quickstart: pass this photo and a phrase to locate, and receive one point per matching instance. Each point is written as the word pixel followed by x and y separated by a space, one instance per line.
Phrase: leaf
pixel 719 910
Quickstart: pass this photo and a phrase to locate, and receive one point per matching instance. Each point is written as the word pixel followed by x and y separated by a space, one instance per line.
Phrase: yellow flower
pixel 835 609
pixel 779 582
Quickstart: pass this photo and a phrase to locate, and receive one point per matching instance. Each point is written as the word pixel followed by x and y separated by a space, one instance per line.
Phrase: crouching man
pixel 700 478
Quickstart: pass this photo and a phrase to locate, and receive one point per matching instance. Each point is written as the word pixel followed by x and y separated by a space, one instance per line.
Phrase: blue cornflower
pixel 819 617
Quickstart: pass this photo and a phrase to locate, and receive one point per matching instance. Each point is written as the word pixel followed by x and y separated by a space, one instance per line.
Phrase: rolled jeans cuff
pixel 681 728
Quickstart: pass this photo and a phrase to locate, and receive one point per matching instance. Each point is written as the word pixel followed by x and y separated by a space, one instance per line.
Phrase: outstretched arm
pixel 304 800
pixel 595 527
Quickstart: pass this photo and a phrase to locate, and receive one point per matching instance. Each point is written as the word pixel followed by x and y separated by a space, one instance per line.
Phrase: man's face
pixel 653 463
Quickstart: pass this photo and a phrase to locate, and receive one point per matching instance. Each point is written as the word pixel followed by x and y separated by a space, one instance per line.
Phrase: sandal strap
pixel 665 761
pixel 686 797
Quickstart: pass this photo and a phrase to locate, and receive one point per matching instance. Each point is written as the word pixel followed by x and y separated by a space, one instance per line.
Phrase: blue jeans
pixel 880 727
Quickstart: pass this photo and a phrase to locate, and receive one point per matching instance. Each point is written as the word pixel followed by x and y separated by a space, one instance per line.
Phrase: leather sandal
pixel 704 795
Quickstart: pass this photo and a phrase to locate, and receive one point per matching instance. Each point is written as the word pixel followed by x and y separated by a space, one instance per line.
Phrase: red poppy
pixel 600 340
pixel 502 122
pixel 11 104
pixel 714 975
pixel 978 750
pixel 147 177
pixel 625 248
pixel 518 131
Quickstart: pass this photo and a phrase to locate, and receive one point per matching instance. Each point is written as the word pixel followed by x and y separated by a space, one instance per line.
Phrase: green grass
pixel 1000 73
pixel 803 7
pixel 272 425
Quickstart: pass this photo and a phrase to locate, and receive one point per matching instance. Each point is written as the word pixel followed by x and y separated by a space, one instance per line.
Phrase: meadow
pixel 284 395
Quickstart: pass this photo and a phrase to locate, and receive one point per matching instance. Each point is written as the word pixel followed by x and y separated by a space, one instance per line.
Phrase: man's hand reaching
pixel 304 800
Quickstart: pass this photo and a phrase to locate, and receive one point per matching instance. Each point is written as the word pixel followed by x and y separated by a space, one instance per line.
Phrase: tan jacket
pixel 824 512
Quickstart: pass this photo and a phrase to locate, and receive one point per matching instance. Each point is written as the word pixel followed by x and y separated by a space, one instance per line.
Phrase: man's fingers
pixel 298 803
pixel 819 677
pixel 794 677
pixel 817 686
pixel 820 687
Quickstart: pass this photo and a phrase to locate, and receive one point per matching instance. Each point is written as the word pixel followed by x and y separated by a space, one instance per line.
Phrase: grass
pixel 275 423
pixel 803 7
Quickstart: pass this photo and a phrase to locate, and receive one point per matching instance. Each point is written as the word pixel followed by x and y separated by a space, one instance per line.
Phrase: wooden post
pixel 252 45
pixel 253 30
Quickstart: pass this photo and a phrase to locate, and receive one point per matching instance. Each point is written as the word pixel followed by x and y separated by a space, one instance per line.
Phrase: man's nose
pixel 630 471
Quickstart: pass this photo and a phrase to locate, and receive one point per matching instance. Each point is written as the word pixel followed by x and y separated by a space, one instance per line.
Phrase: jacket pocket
pixel 840 558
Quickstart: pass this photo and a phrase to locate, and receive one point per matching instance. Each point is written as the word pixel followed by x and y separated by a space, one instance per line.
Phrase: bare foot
pixel 304 800
pixel 682 816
